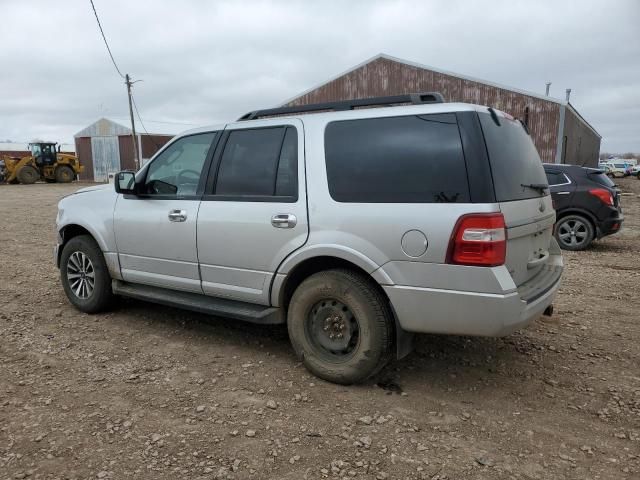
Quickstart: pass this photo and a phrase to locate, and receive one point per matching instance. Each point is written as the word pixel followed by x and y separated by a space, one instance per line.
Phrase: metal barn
pixel 106 147
pixel 559 132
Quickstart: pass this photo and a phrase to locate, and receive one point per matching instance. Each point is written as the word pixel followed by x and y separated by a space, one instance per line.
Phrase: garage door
pixel 106 157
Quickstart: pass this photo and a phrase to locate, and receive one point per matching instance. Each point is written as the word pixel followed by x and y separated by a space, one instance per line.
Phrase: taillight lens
pixel 604 195
pixel 478 239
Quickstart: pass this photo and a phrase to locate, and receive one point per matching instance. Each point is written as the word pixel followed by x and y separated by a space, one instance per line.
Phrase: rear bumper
pixel 456 312
pixel 610 225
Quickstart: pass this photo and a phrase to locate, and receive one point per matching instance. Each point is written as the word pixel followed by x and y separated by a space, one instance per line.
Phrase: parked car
pixel 355 226
pixel 587 205
pixel 617 169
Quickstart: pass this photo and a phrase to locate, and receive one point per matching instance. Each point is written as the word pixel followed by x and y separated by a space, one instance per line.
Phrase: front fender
pixel 93 212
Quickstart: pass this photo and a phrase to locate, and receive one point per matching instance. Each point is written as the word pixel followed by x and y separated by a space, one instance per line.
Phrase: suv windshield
pixel 515 163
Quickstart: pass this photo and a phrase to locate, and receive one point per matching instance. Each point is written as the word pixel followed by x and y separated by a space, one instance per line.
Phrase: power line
pixel 105 40
pixel 157 121
pixel 135 106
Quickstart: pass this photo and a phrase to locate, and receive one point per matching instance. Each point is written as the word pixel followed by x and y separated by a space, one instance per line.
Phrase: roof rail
pixel 412 98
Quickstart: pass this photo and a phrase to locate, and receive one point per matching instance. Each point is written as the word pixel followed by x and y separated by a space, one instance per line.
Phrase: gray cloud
pixel 209 62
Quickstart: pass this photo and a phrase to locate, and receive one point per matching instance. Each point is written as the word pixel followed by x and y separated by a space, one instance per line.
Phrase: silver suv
pixel 355 226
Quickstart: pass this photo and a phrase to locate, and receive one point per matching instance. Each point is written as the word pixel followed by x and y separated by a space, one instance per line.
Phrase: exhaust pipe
pixel 548 311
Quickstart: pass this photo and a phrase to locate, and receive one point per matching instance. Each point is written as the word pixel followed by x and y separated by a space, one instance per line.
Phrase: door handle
pixel 177 215
pixel 284 220
pixel 537 261
pixel 563 193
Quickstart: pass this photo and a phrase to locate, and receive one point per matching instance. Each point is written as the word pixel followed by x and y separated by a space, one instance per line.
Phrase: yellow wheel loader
pixel 45 162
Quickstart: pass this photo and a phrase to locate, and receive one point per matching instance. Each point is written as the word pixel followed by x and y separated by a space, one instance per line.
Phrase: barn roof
pixel 390 58
pixel 108 127
pixel 103 128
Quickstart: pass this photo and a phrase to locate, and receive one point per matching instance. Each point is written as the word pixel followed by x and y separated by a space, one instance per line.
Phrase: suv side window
pixel 555 178
pixel 410 159
pixel 261 162
pixel 177 170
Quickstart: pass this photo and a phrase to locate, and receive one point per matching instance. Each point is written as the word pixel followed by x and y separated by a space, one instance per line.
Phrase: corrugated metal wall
pixel 83 150
pixel 106 157
pixel 582 145
pixel 383 76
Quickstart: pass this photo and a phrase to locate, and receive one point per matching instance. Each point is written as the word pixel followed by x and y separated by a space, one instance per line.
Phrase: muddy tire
pixel 65 174
pixel 85 276
pixel 28 175
pixel 341 326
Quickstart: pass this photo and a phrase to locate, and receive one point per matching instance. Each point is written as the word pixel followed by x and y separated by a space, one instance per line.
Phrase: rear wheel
pixel 85 276
pixel 574 232
pixel 341 326
pixel 28 175
pixel 64 174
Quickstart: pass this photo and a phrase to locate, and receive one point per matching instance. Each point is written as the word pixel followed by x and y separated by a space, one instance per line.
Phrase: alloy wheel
pixel 81 275
pixel 573 232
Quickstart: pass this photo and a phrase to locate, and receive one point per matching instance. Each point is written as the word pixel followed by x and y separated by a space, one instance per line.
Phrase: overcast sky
pixel 206 62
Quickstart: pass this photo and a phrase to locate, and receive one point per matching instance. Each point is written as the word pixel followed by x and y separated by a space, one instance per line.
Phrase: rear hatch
pixel 522 192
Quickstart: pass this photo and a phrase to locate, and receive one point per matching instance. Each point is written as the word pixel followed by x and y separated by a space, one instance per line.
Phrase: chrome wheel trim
pixel 81 275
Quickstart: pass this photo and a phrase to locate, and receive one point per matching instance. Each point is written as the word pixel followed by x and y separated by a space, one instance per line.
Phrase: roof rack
pixel 412 98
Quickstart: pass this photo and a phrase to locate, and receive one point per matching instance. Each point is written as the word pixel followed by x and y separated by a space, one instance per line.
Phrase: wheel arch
pixel 578 211
pixel 75 230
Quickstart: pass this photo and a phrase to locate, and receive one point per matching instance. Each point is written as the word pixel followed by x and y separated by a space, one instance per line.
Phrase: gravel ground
pixel 153 392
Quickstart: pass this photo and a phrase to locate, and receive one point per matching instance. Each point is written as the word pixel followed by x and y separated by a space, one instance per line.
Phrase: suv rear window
pixel 514 159
pixel 601 178
pixel 411 159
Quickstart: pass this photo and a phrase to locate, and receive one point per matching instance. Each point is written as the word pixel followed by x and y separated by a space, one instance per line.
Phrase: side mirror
pixel 125 183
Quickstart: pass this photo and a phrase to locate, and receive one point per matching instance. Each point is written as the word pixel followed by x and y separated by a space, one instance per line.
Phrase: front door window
pixel 177 170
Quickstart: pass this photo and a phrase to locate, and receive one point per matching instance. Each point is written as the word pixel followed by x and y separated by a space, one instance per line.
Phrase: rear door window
pixel 410 159
pixel 260 162
pixel 514 159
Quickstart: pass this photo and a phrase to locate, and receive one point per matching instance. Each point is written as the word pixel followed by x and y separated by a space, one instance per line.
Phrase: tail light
pixel 604 195
pixel 478 239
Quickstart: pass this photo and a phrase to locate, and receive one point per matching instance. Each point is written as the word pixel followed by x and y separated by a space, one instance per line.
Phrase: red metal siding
pixel 383 76
pixel 152 143
pixel 83 151
pixel 127 152
pixel 23 153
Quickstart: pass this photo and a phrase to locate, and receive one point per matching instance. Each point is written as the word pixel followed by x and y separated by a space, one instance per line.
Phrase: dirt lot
pixel 153 392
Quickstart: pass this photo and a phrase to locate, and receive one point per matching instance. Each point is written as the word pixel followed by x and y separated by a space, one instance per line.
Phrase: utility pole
pixel 133 123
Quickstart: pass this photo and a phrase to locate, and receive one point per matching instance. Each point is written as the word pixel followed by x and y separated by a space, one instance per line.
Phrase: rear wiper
pixel 541 187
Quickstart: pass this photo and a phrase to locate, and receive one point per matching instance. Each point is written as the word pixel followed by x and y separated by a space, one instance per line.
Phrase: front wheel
pixel 341 326
pixel 574 232
pixel 28 175
pixel 64 174
pixel 84 275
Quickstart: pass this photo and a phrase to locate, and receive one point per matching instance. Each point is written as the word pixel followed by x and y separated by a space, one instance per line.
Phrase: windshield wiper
pixel 541 187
